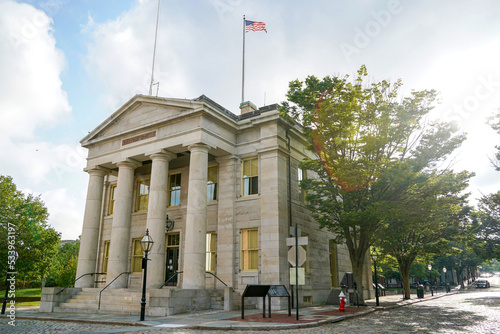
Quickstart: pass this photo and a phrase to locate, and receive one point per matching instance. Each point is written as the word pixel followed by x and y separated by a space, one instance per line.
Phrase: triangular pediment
pixel 139 112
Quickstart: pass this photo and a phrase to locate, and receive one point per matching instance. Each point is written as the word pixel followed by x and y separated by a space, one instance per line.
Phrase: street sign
pixel 302 276
pixel 303 241
pixel 292 256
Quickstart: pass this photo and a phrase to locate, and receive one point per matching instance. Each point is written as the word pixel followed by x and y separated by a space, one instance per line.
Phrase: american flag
pixel 255 26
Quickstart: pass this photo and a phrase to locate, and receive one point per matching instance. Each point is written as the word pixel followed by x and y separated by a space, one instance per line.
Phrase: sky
pixel 67 65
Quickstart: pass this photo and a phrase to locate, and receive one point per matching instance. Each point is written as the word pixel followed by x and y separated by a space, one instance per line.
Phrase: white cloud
pixel 31 99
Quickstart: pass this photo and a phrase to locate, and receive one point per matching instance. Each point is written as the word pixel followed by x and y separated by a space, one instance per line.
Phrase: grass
pixel 35 292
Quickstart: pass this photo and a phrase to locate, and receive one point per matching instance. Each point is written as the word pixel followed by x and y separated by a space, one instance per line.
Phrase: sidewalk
pixel 218 319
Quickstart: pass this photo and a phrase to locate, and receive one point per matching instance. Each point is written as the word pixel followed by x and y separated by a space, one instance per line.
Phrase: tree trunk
pixel 404 267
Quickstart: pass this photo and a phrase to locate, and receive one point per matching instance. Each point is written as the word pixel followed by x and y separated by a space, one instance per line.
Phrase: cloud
pixel 32 99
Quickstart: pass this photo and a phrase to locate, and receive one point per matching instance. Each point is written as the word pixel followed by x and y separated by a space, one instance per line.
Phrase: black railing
pixel 180 272
pixel 100 292
pixel 72 283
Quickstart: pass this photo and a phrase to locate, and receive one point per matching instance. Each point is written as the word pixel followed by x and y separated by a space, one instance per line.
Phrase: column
pixel 226 213
pixel 90 232
pixel 118 261
pixel 157 210
pixel 196 219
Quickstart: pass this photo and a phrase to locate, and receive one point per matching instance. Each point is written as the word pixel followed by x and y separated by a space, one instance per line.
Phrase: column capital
pixel 199 147
pixel 98 171
pixel 163 155
pixel 130 163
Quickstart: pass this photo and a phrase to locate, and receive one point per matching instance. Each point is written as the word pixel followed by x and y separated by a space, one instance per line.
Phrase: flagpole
pixel 243 66
pixel 154 51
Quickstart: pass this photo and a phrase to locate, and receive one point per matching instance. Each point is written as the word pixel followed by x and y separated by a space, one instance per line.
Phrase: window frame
pixel 142 198
pixel 105 256
pixel 111 203
pixel 301 175
pixel 210 252
pixel 248 265
pixel 177 190
pixel 253 178
pixel 212 183
pixel 136 243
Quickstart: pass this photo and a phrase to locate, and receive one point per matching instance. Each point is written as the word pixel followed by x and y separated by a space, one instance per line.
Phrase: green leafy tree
pixel 363 133
pixel 486 227
pixel 424 219
pixel 64 265
pixel 24 227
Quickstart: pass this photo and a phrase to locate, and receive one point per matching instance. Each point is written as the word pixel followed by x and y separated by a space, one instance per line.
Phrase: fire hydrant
pixel 342 302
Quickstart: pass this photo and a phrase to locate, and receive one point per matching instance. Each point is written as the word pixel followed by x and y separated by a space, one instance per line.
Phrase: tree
pixel 486 226
pixel 361 133
pixel 63 270
pixel 24 229
pixel 424 220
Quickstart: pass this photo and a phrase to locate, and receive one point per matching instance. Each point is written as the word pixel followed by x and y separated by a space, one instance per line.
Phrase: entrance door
pixel 172 254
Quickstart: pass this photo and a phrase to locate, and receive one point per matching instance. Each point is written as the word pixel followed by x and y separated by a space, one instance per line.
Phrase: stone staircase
pixel 120 301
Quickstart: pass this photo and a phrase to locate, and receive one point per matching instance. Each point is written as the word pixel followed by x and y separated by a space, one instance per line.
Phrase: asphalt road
pixel 472 311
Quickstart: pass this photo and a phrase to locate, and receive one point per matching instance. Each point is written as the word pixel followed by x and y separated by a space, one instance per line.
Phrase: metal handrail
pixel 180 272
pixel 99 305
pixel 72 283
pixel 208 272
pixel 177 273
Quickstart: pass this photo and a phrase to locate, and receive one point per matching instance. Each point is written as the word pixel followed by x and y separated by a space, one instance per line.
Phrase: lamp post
pixel 146 245
pixel 375 258
pixel 430 268
pixel 445 280
pixel 8 278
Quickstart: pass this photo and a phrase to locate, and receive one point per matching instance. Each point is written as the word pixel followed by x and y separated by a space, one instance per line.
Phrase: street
pixel 472 311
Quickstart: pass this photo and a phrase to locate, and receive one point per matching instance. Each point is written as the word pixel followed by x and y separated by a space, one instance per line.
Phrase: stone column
pixel 196 219
pixel 90 232
pixel 226 214
pixel 157 210
pixel 118 261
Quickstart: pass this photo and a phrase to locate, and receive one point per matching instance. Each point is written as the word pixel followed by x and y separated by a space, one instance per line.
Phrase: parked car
pixel 482 283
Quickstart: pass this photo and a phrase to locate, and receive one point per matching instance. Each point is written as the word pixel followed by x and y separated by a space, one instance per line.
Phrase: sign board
pixel 278 291
pixel 302 276
pixel 256 290
pixel 302 241
pixel 292 256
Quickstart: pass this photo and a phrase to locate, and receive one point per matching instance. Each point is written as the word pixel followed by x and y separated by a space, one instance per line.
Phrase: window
pixel 136 266
pixel 175 189
pixel 250 177
pixel 301 175
pixel 249 250
pixel 105 257
pixel 112 192
pixel 212 183
pixel 210 252
pixel 141 203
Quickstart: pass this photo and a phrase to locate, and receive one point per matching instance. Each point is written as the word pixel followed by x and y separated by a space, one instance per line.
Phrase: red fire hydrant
pixel 342 302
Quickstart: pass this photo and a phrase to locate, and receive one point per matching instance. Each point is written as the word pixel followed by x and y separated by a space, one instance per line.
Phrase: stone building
pixel 225 184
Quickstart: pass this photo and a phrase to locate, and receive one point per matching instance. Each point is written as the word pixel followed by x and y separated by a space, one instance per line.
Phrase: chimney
pixel 247 107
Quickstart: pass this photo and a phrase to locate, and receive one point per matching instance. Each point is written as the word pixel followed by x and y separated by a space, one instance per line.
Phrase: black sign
pixel 278 291
pixel 256 290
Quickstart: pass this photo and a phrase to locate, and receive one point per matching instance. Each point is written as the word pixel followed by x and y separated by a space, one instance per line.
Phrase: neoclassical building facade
pixel 229 185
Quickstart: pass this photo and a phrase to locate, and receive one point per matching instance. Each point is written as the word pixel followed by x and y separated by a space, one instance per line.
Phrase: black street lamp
pixel 146 245
pixel 430 268
pixel 375 258
pixel 10 268
pixel 445 280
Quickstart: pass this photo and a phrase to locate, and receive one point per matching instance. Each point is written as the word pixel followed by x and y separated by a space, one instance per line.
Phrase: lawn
pixel 36 292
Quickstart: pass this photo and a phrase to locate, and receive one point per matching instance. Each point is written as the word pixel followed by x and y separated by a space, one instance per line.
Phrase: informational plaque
pixel 302 276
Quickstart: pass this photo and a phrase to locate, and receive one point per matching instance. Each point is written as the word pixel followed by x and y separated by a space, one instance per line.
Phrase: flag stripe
pixel 255 26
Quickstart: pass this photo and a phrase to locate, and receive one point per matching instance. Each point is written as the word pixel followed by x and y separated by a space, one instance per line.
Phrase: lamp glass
pixel 374 256
pixel 444 270
pixel 429 267
pixel 147 242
